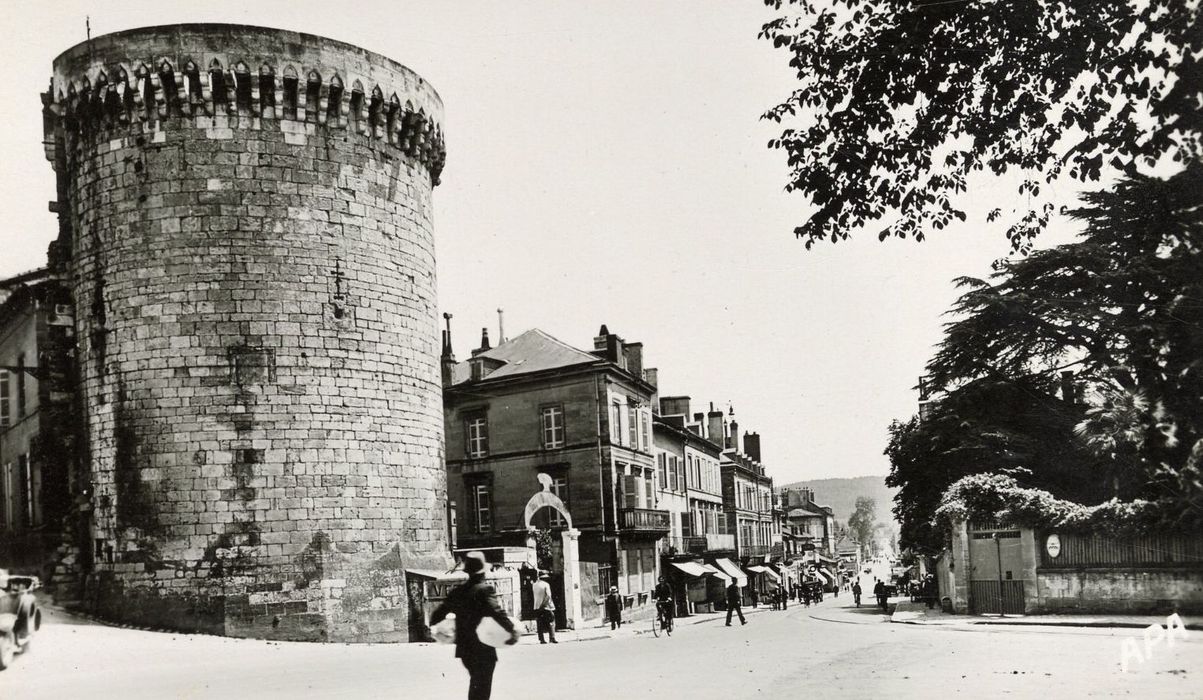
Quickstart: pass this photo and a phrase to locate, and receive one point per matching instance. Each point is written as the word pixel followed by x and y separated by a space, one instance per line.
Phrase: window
pixel 616 423
pixel 662 469
pixel 632 425
pixel 553 427
pixel 6 494
pixel 559 486
pixel 21 385
pixel 477 429
pixel 4 417
pixel 480 499
pixel 647 430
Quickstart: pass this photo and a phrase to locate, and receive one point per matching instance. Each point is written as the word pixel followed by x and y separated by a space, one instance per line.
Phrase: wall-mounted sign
pixel 1053 546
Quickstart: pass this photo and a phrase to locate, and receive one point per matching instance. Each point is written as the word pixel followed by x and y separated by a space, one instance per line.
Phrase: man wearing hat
pixel 472 601
pixel 545 608
pixel 614 608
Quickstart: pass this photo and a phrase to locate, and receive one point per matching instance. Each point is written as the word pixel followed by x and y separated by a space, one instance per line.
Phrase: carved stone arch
pixel 314 77
pixel 166 67
pixel 544 499
pixel 214 65
pixel 242 68
pixel 265 69
pixel 290 72
pixel 336 81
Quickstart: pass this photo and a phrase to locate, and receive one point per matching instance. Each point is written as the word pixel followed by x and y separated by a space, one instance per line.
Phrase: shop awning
pixel 827 575
pixel 826 559
pixel 757 569
pixel 731 570
pixel 690 569
pixel 766 570
pixel 715 572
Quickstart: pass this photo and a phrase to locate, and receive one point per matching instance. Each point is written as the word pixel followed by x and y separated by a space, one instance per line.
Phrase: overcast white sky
pixel 606 164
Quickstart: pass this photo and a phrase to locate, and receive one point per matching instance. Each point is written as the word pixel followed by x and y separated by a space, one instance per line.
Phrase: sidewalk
pixel 633 629
pixel 910 613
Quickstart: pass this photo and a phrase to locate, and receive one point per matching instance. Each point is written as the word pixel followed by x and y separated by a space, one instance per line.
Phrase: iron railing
pixel 643 520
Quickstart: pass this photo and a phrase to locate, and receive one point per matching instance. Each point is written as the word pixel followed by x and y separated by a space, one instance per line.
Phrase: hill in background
pixel 841 495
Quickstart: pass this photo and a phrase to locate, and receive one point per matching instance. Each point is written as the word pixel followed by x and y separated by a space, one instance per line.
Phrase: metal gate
pixel 988 598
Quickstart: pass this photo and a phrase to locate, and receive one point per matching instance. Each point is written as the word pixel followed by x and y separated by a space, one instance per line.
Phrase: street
pixel 828 648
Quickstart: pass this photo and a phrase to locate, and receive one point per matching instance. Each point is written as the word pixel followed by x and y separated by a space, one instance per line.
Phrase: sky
pixel 607 165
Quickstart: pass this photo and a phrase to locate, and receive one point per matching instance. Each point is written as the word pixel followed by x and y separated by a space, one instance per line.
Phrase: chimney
pixel 651 375
pixel 752 446
pixel 715 431
pixel 608 346
pixel 447 361
pixel 599 341
pixel 500 326
pixel 733 436
pixel 634 357
pixel 675 406
pixel 484 343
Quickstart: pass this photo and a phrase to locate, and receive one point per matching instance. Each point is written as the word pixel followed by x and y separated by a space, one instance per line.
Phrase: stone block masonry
pixel 246 217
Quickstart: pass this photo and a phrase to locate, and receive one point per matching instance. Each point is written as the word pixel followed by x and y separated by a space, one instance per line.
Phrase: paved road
pixel 781 654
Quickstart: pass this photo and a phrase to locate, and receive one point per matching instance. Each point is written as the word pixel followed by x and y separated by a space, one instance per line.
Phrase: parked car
pixel 20 616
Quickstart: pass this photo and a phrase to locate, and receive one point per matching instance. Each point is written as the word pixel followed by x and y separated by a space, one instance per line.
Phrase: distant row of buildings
pixel 655 487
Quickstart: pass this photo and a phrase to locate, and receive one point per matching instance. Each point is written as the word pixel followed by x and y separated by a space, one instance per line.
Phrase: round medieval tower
pixel 246 214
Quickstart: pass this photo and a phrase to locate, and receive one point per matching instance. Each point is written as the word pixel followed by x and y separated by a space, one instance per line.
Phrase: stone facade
pixel 247 221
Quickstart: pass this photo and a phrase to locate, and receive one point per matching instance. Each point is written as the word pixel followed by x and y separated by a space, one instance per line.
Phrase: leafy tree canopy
pixel 899 101
pixel 1122 309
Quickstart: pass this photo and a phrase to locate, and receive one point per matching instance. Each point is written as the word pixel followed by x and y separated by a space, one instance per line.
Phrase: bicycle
pixel 664 620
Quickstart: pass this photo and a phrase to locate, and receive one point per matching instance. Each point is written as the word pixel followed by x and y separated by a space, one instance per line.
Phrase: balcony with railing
pixel 753 550
pixel 643 521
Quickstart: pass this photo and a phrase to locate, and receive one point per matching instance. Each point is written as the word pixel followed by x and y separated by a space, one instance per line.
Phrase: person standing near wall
pixel 545 609
pixel 471 602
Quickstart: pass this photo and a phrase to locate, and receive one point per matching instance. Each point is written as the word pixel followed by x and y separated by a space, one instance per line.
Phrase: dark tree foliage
pixel 899 101
pixel 1122 309
pixel 861 522
pixel 1017 427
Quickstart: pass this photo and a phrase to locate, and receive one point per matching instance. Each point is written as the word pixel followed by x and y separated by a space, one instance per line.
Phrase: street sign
pixel 1053 546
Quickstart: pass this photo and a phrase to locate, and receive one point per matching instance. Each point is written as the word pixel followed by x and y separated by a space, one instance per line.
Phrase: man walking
pixel 471 602
pixel 545 608
pixel 734 597
pixel 614 608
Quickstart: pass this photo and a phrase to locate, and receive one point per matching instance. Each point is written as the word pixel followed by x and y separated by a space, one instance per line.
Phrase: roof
pixel 533 351
pixel 804 512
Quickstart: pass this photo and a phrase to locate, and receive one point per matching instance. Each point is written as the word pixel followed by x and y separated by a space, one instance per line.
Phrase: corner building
pixel 246 217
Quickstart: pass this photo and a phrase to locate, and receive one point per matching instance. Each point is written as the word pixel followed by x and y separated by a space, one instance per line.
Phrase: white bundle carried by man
pixel 490 632
pixel 444 632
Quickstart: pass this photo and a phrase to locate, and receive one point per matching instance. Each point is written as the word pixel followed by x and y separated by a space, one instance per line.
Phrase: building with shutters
pixel 535 405
pixel 37 428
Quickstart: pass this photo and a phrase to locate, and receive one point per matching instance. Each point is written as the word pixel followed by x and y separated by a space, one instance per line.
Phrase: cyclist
pixel 664 602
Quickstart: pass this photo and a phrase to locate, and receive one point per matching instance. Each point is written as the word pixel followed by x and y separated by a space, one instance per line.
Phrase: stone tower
pixel 245 214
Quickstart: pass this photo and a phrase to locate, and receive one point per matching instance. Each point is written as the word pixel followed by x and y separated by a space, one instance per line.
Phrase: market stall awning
pixel 715 572
pixel 731 570
pixel 690 569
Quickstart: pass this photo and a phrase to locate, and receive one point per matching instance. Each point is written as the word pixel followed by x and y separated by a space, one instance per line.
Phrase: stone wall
pixel 249 221
pixel 1126 591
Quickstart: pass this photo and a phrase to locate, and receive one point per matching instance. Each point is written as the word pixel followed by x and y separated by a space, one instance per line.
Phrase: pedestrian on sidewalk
pixel 755 596
pixel 545 608
pixel 614 608
pixel 471 602
pixel 856 591
pixel 879 590
pixel 734 598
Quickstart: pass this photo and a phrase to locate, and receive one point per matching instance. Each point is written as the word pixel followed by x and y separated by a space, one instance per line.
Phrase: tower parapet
pixel 246 217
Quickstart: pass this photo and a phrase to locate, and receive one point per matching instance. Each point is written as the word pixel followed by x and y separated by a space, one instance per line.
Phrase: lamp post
pixel 998 552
